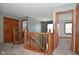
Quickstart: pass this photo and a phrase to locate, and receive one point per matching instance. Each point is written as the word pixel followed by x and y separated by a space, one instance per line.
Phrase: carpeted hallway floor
pixel 63 48
pixel 9 49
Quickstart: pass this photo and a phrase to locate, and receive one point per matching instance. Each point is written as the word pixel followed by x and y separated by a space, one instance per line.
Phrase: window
pixel 50 27
pixel 68 28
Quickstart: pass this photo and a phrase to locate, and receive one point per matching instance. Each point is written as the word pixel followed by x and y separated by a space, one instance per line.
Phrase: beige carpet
pixel 64 47
pixel 9 49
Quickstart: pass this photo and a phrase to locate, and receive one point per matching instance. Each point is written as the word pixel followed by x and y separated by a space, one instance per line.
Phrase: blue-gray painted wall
pixel 34 25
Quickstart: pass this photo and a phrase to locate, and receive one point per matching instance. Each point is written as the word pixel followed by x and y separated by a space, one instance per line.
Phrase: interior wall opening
pixel 65 29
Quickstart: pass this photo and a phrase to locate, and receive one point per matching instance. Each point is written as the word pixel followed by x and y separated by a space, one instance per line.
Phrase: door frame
pixel 73 26
pixel 22 24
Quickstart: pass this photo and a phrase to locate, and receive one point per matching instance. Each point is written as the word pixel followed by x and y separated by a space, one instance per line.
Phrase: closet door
pixel 7 30
pixel 77 29
pixel 15 25
pixel 11 30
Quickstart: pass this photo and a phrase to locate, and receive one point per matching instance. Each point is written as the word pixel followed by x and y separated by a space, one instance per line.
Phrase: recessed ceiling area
pixel 38 10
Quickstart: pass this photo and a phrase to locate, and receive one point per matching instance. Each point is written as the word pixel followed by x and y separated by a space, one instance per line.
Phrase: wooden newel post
pixel 25 38
pixel 49 42
pixel 14 37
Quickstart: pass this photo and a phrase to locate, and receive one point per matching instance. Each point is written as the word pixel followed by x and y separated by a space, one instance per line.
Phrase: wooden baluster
pixel 14 37
pixel 49 42
pixel 14 40
pixel 25 38
pixel 46 43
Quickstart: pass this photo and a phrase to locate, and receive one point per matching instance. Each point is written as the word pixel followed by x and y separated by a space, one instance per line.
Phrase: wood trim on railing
pixel 50 41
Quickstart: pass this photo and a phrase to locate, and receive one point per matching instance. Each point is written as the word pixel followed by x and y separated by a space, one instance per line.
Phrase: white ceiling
pixel 38 10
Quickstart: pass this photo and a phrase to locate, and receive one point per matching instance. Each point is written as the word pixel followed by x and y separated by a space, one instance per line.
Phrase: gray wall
pixel 34 25
pixel 63 18
pixel 44 25
pixel 1 24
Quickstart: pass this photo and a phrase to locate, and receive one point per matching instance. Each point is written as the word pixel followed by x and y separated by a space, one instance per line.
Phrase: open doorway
pixel 64 29
pixel 50 27
pixel 24 26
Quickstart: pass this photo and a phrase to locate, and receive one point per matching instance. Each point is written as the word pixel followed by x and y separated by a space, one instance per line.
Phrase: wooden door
pixel 15 27
pixel 11 30
pixel 7 30
pixel 77 30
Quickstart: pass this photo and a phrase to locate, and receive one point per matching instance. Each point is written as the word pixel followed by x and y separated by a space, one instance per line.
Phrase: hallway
pixel 9 49
pixel 63 47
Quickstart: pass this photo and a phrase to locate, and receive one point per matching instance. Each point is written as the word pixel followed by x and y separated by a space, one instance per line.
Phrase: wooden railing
pixel 40 42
